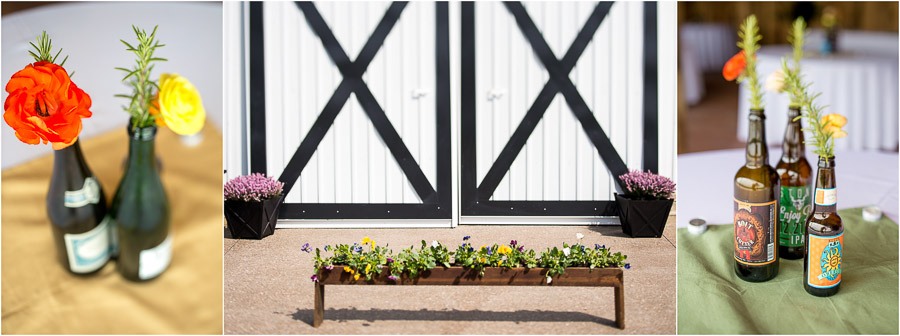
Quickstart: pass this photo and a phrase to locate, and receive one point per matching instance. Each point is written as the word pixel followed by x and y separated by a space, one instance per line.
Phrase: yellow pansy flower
pixel 366 240
pixel 348 270
pixel 368 268
pixel 180 105
pixel 356 277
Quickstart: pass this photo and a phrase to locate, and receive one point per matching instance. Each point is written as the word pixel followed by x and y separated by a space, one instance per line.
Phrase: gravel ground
pixel 268 291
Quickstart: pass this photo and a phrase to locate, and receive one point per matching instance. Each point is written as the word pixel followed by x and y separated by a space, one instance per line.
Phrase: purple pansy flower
pixel 393 277
pixel 329 267
pixel 466 238
pixel 314 278
pixel 627 265
pixel 305 248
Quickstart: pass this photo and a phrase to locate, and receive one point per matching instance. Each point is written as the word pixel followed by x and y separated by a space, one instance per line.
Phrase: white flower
pixel 549 279
pixel 775 81
pixel 579 236
pixel 566 251
pixel 434 243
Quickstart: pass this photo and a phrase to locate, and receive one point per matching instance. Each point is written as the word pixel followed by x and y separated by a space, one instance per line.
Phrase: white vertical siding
pixel 352 164
pixel 559 162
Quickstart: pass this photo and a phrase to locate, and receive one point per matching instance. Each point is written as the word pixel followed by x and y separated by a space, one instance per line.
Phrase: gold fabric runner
pixel 39 296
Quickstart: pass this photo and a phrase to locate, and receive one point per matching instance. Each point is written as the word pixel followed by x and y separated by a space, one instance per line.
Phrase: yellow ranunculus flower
pixel 180 106
pixel 356 277
pixel 833 125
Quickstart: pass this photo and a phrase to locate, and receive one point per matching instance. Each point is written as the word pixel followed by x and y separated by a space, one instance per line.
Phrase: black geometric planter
pixel 253 220
pixel 642 218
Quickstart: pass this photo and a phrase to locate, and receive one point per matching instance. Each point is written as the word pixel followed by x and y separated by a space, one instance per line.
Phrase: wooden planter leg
pixel 620 306
pixel 319 311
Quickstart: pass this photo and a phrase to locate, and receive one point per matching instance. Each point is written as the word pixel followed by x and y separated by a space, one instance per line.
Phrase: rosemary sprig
pixel 43 51
pixel 749 43
pixel 823 141
pixel 792 76
pixel 143 86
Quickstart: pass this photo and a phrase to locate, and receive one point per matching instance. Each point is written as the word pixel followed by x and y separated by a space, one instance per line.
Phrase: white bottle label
pixel 826 196
pixel 88 251
pixel 89 194
pixel 154 261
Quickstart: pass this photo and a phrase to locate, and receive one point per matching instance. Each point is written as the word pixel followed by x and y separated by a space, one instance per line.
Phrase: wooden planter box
pixel 493 276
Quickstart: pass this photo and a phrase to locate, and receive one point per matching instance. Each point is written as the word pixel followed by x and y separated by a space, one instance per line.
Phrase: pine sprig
pixel 43 51
pixel 143 86
pixel 749 43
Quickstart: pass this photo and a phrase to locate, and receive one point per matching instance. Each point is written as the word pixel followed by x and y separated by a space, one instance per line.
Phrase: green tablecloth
pixel 713 300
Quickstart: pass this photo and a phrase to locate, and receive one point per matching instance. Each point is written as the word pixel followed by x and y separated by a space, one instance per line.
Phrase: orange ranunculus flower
pixel 734 66
pixel 44 105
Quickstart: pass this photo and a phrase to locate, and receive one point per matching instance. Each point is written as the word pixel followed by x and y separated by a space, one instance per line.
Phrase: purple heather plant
pixel 647 186
pixel 255 187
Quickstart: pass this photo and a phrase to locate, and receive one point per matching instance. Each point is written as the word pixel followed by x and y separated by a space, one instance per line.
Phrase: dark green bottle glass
pixel 76 207
pixel 142 239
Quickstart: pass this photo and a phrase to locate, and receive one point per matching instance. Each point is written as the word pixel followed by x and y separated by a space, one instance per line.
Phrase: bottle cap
pixel 697 226
pixel 871 213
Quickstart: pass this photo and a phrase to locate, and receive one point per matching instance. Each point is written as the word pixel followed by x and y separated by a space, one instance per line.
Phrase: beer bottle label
pixel 826 197
pixel 795 205
pixel 88 251
pixel 88 194
pixel 754 232
pixel 824 266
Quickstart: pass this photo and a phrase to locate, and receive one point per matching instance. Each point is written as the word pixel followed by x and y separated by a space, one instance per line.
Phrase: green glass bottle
pixel 142 236
pixel 76 207
pixel 796 177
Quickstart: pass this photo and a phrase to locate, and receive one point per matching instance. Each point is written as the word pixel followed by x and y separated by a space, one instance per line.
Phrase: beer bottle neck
pixel 826 187
pixel 757 152
pixel 793 148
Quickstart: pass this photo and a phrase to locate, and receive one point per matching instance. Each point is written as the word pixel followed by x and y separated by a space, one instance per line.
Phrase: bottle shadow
pixel 372 315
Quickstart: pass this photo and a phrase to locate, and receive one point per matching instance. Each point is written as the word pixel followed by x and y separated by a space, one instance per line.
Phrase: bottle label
pixel 826 197
pixel 795 206
pixel 88 194
pixel 154 261
pixel 88 251
pixel 824 266
pixel 754 232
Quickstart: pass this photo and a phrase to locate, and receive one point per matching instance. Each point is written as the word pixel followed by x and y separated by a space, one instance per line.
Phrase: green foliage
pixel 143 87
pixel 368 260
pixel 792 76
pixel 43 51
pixel 43 48
pixel 749 43
pixel 812 112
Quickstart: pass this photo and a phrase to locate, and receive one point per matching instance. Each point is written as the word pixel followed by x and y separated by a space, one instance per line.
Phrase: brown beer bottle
pixel 824 236
pixel 795 175
pixel 756 189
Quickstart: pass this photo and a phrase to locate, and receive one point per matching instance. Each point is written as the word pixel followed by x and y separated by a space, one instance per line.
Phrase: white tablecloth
pixel 706 180
pixel 89 33
pixel 862 87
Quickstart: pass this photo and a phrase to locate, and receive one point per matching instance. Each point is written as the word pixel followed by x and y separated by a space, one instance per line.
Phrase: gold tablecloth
pixel 39 296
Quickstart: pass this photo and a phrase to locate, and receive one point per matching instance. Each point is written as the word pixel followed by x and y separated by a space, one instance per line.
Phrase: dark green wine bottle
pixel 142 238
pixel 76 207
